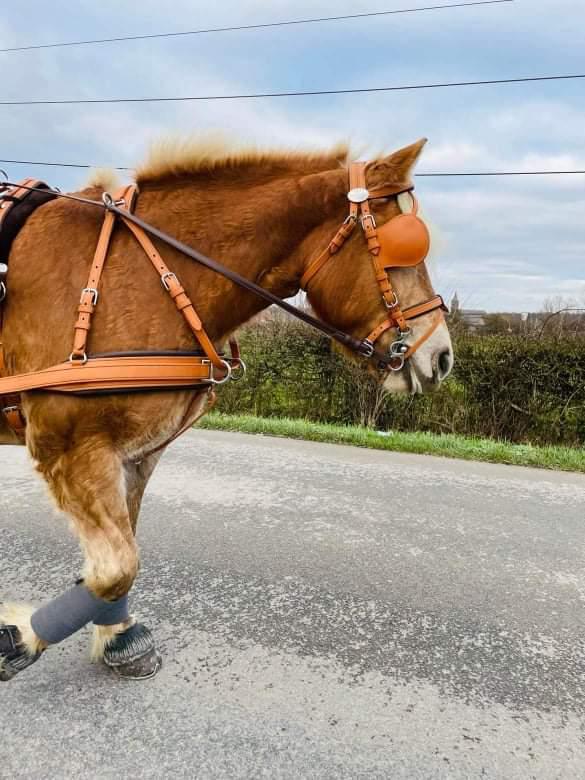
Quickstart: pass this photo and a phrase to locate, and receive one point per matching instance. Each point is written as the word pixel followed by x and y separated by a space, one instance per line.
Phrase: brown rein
pixel 141 371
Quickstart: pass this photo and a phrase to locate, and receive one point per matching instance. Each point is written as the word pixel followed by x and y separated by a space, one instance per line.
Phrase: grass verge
pixel 447 445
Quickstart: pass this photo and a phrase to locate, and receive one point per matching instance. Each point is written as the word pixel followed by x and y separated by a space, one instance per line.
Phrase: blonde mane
pixel 172 159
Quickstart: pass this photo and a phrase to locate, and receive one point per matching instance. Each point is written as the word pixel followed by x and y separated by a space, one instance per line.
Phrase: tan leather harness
pixel 121 372
pixel 118 372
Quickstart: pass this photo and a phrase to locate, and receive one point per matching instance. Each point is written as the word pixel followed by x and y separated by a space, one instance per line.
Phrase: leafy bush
pixel 505 387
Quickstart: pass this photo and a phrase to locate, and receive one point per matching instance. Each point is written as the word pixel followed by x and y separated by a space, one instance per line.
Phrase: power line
pixel 287 23
pixel 418 175
pixel 64 165
pixel 504 173
pixel 252 96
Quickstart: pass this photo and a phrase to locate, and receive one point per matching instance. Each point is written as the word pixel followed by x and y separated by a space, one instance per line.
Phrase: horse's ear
pixel 396 167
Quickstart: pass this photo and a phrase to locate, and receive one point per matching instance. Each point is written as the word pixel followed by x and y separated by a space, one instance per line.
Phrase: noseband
pixel 402 242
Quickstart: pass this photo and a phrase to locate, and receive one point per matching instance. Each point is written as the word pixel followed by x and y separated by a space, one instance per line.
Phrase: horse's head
pixel 372 281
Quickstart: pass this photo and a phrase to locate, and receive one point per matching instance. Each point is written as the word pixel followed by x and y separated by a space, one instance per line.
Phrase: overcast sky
pixel 505 244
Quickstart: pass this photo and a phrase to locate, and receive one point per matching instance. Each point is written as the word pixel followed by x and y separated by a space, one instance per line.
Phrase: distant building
pixel 473 319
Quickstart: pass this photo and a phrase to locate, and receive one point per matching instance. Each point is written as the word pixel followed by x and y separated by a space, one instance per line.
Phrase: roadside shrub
pixel 505 387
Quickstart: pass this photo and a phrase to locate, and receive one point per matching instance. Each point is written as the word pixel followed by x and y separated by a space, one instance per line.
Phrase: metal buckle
pixel 371 217
pixel 2 291
pixel 164 277
pixel 94 294
pixel 7 409
pixel 81 359
pixel 226 378
pixel 394 303
pixel 369 348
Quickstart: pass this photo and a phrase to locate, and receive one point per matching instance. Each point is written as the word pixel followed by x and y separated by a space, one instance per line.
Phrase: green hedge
pixel 502 387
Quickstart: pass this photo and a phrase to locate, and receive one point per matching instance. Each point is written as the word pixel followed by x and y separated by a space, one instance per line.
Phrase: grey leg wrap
pixel 113 612
pixel 69 612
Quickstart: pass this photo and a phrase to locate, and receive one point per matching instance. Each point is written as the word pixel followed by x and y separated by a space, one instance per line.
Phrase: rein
pixel 142 371
pixel 109 204
pixel 363 347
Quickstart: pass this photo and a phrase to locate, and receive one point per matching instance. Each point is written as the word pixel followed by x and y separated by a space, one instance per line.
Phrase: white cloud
pixel 504 243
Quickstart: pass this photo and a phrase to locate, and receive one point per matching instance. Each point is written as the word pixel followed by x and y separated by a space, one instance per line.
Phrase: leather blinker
pixel 404 241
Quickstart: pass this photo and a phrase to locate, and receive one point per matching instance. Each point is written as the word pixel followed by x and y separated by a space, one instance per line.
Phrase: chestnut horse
pixel 264 215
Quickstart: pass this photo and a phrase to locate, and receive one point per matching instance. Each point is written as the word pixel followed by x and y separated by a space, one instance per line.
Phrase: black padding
pixel 18 215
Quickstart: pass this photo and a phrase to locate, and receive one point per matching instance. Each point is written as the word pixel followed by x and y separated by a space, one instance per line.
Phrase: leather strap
pixel 335 245
pixel 390 191
pixel 395 315
pixel 12 411
pixel 116 373
pixel 434 303
pixel 174 288
pixel 426 335
pixel 90 293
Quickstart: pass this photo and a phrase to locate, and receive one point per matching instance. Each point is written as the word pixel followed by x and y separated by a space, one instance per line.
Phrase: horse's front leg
pixel 89 483
pixel 110 638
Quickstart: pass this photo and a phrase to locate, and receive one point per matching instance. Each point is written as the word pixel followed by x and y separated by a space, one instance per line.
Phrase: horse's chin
pixel 399 382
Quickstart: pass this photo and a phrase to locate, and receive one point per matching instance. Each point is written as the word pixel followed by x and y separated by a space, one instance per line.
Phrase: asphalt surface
pixel 324 612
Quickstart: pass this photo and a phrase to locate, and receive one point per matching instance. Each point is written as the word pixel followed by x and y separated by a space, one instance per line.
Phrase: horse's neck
pixel 256 230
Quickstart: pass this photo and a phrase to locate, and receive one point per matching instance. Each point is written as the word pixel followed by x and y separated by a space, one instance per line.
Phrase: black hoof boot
pixel 14 656
pixel 132 654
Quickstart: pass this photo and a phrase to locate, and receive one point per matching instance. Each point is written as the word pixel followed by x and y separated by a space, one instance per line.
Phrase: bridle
pixel 410 249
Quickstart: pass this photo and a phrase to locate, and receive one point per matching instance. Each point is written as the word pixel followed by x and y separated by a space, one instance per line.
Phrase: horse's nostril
pixel 444 364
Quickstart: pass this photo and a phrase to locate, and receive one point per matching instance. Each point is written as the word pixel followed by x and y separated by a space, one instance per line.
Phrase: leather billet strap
pixel 90 293
pixel 13 415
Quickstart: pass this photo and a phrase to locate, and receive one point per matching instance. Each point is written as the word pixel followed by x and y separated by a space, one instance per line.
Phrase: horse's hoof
pixel 132 654
pixel 14 656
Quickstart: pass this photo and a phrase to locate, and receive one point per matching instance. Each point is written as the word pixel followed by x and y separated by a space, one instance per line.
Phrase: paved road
pixel 325 612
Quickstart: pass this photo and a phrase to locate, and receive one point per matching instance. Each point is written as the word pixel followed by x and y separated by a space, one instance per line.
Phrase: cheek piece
pixel 69 612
